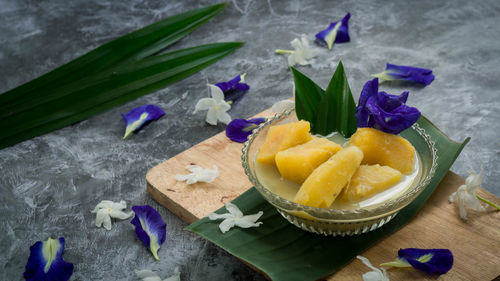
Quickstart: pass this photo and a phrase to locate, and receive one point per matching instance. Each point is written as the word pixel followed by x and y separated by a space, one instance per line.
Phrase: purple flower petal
pixel 326 36
pixel 406 73
pixel 432 261
pixel 239 129
pixel 234 88
pixel 140 116
pixel 149 227
pixel 46 263
pixel 384 112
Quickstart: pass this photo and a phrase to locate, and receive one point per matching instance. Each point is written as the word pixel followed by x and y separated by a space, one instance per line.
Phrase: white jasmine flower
pixel 148 275
pixel 198 174
pixel 376 274
pixel 107 210
pixel 216 105
pixel 302 53
pixel 466 197
pixel 235 218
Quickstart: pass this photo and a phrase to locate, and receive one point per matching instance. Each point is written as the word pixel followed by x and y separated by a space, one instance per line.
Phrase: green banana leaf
pixel 285 253
pixel 108 76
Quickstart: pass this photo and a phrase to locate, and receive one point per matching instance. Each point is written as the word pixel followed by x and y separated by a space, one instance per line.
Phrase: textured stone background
pixel 49 184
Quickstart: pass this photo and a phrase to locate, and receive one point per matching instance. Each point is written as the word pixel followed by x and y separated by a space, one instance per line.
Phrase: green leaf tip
pixel 327 111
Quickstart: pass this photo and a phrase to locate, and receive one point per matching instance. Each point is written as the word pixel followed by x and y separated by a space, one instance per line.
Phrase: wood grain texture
pixel 475 243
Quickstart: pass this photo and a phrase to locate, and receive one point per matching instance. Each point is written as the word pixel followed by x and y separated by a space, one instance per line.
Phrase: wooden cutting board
pixel 475 243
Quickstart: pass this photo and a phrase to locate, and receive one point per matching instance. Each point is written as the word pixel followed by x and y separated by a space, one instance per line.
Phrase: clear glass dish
pixel 341 222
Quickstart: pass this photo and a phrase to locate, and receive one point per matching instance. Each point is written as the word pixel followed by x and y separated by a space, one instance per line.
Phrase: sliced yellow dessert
pixel 282 137
pixel 298 162
pixel 326 182
pixel 369 180
pixel 384 149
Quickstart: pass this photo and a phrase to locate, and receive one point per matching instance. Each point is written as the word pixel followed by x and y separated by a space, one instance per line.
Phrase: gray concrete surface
pixel 50 183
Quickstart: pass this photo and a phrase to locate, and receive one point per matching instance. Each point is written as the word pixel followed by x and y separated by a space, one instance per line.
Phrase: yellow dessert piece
pixel 369 180
pixel 326 182
pixel 384 149
pixel 282 137
pixel 298 162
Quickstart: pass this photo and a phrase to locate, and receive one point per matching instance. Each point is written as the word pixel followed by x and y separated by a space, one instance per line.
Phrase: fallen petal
pixel 238 130
pixel 432 261
pixel 149 227
pixel 140 116
pixel 46 263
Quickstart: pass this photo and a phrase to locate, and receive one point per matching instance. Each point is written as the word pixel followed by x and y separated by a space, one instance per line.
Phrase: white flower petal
pixel 465 196
pixel 211 116
pixel 117 214
pixel 147 275
pixel 192 179
pixel 216 93
pixel 226 225
pixel 102 204
pixel 179 177
pixel 204 104
pixel 376 274
pixel 233 210
pixel 107 222
pixel 246 222
pixel 100 217
pixel 253 218
pixel 214 216
pixel 223 106
pixel 224 118
pixel 282 106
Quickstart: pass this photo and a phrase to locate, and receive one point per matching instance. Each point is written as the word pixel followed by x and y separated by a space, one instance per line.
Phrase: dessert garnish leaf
pixel 327 111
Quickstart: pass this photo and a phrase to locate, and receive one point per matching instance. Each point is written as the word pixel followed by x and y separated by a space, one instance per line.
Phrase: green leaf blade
pixel 307 97
pixel 131 47
pixel 343 106
pixel 106 90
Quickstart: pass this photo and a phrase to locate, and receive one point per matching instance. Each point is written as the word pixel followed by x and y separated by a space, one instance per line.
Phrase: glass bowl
pixel 341 222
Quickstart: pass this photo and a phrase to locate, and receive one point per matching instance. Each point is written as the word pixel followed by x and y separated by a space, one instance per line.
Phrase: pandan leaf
pixel 131 47
pixel 337 107
pixel 307 97
pixel 97 93
pixel 327 111
pixel 108 76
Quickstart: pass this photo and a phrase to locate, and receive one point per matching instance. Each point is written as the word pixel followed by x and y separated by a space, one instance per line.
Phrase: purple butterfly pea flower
pixel 239 129
pixel 46 263
pixel 406 73
pixel 336 32
pixel 234 88
pixel 140 116
pixel 149 227
pixel 432 261
pixel 384 112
